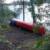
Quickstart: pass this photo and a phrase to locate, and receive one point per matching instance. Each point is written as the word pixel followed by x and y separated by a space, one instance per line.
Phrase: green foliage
pixel 5 13
pixel 39 2
pixel 4 27
pixel 43 43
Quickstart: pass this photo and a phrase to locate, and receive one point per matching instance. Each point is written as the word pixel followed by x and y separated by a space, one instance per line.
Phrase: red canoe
pixel 28 26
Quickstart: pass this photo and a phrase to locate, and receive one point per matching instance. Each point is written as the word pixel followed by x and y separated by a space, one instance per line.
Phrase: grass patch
pixel 4 27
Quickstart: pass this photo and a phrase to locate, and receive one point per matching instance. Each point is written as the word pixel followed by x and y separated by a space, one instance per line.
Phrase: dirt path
pixel 20 37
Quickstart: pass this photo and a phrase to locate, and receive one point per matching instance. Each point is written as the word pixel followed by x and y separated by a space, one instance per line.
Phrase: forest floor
pixel 21 38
